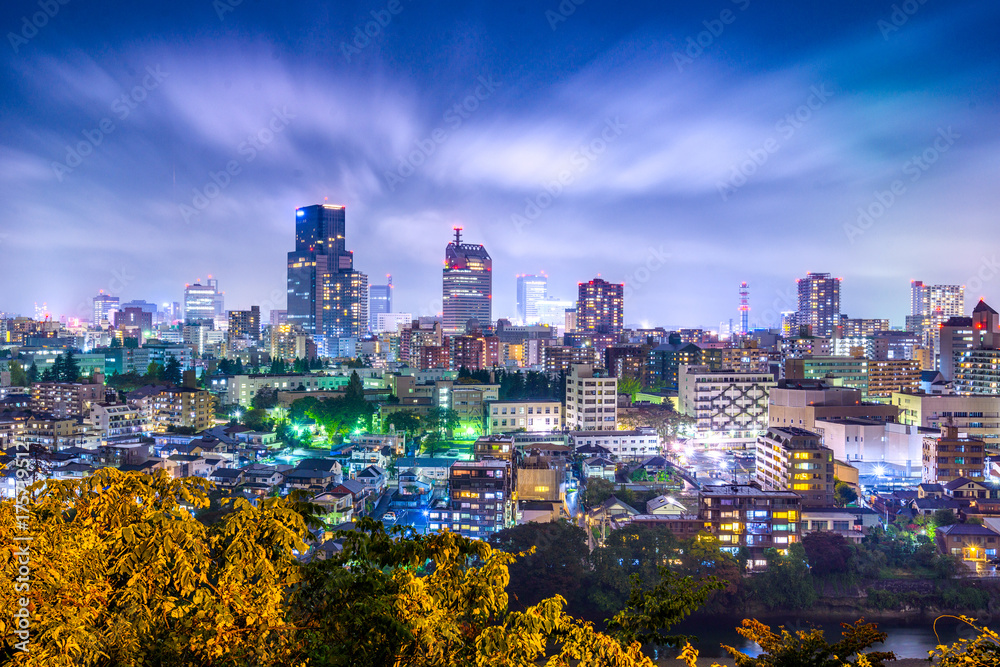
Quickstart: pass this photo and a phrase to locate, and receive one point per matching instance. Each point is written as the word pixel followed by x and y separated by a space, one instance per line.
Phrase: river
pixel 911 640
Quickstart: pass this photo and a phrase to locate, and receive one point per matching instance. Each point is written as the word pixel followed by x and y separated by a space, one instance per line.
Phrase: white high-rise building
pixel 591 399
pixel 530 290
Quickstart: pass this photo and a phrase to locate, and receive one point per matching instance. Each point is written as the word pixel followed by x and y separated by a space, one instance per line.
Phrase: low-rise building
pixel 972 543
pixel 637 444
pixel 66 399
pixel 743 516
pixel 540 415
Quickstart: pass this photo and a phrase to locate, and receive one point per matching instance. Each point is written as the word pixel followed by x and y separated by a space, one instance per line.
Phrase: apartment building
pixel 116 420
pixel 743 516
pixel 977 416
pixel 591 399
pixel 481 501
pixel 730 407
pixel 525 415
pixel 795 459
pixel 637 444
pixel 952 456
pixel 888 376
pixel 65 399
pixel 182 407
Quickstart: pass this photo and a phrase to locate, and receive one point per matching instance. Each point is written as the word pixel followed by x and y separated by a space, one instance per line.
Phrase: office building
pixel 591 399
pixel 392 322
pixel 842 371
pixel 326 295
pixel 134 321
pixel 245 323
pixel 794 459
pixel 552 312
pixel 729 407
pixel 467 286
pixel 819 304
pixel 203 302
pixel 951 456
pixel 105 306
pixel 530 290
pixel 560 358
pixel 599 307
pixel 871 445
pixel 892 375
pixel 931 306
pixel 379 303
pixel 861 328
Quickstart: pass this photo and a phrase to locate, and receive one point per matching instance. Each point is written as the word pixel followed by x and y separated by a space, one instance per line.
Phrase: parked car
pixel 452 454
pixel 389 516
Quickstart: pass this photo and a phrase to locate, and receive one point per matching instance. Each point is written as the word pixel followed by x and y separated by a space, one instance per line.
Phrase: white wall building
pixel 730 406
pixel 641 443
pixel 591 399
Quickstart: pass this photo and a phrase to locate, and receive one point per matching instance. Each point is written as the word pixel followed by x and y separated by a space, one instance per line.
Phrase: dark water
pixel 906 640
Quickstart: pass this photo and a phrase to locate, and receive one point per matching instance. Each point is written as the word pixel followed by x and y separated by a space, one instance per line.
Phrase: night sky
pixel 145 145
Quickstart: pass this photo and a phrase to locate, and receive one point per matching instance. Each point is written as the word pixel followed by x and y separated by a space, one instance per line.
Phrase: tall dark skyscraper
pixel 530 290
pixel 819 303
pixel 599 307
pixel 326 296
pixel 379 301
pixel 467 285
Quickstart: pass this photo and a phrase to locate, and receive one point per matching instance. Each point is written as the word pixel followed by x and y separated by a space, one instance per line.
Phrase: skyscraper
pixel 467 285
pixel 202 302
pixel 819 303
pixel 326 296
pixel 530 290
pixel 744 308
pixel 599 307
pixel 930 307
pixel 379 301
pixel 105 306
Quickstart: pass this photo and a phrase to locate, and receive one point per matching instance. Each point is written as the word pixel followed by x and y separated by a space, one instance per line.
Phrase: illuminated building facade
pixel 793 459
pixel 530 290
pixel 599 307
pixel 819 303
pixel 467 286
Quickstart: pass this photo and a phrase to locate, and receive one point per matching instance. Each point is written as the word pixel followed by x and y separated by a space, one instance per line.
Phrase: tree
pixel 355 391
pixel 805 648
pixel 436 600
pixel 154 373
pixel 33 373
pixel 629 385
pixel 18 377
pixel 442 420
pixel 554 560
pixel 433 444
pixel 649 614
pixel 787 582
pixel 828 553
pixel 844 494
pixel 131 577
pixel 238 370
pixel 944 517
pixel 255 419
pixel 597 491
pixel 265 398
pixel 172 371
pixel 402 422
pixel 70 371
pixel 982 651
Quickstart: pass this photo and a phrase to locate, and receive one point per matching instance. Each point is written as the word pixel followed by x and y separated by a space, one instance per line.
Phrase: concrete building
pixel 892 375
pixel 730 407
pixel 115 421
pixel 842 371
pixel 868 443
pixel 560 358
pixel 599 307
pixel 977 416
pixel 638 444
pixel 245 323
pixel 179 407
pixel 481 499
pixel 801 402
pixel 105 306
pixel 64 399
pixel 525 415
pixel 819 303
pixel 467 286
pixel 530 290
pixel 954 339
pixel 591 399
pixel 950 457
pixel 794 459
pixel 743 516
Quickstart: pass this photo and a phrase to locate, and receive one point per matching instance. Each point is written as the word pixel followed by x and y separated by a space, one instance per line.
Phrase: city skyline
pixel 708 157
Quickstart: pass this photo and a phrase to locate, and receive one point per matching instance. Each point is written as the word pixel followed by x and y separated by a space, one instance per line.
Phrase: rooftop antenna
pixel 458 235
